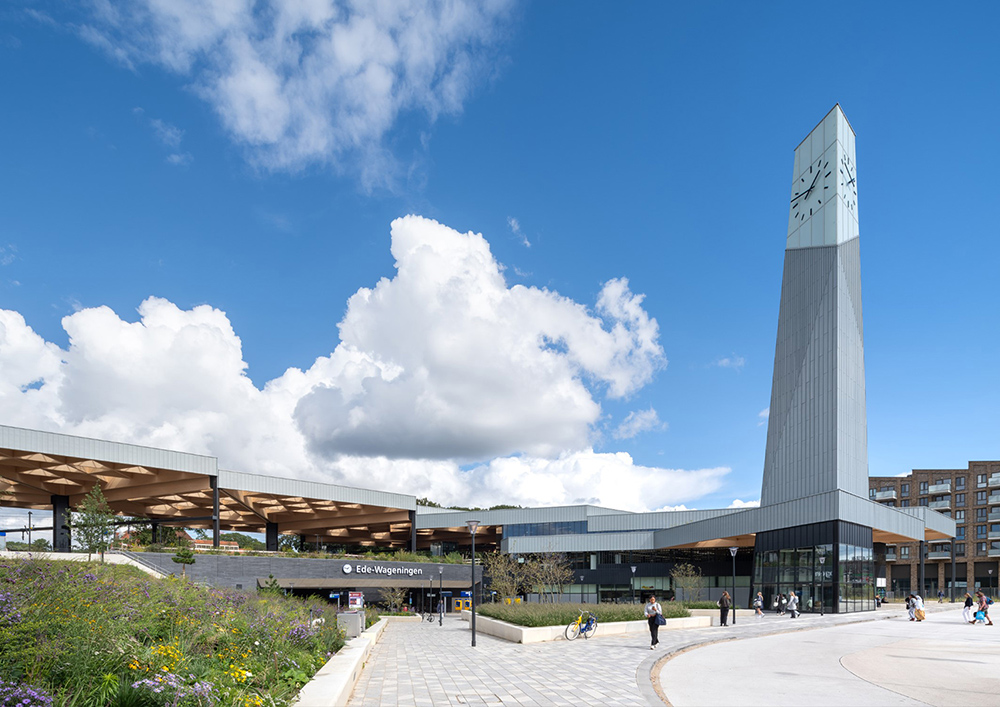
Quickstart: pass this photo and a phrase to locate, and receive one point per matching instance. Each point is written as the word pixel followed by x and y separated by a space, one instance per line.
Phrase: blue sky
pixel 190 159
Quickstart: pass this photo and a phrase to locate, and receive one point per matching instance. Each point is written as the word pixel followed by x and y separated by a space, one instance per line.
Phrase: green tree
pixel 93 523
pixel 271 586
pixel 549 572
pixel 243 540
pixel 506 574
pixel 39 545
pixel 184 557
pixel 395 597
pixel 688 581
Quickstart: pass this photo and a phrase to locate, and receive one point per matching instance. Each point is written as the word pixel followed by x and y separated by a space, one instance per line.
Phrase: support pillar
pixel 952 592
pixel 61 538
pixel 922 550
pixel 271 536
pixel 214 481
pixel 413 531
pixel 155 531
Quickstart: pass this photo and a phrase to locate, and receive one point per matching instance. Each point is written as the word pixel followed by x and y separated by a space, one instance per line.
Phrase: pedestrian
pixel 783 604
pixel 793 605
pixel 724 603
pixel 984 606
pixel 776 604
pixel 910 607
pixel 654 614
pixel 758 605
pixel 940 596
pixel 967 609
pixel 918 608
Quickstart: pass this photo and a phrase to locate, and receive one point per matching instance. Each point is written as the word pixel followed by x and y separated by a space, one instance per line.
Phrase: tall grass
pixel 107 635
pixel 533 615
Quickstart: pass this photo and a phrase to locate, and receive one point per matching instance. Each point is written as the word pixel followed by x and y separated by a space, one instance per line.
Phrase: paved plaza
pixel 774 661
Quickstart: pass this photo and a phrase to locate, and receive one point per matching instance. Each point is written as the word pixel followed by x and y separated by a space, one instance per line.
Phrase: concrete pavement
pixel 941 661
pixel 423 664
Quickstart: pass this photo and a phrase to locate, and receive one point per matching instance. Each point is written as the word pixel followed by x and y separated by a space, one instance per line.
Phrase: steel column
pixel 61 537
pixel 214 481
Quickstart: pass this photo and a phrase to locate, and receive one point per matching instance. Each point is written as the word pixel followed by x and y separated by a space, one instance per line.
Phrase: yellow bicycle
pixel 585 624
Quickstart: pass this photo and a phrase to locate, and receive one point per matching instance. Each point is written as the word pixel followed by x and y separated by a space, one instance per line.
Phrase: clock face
pixel 848 182
pixel 811 189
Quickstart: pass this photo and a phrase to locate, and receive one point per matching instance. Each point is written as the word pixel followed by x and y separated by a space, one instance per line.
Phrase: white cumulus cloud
pixel 446 383
pixel 733 361
pixel 310 82
pixel 763 416
pixel 737 503
pixel 636 422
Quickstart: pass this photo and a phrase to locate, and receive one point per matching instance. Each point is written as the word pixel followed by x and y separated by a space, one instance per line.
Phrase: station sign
pixel 356 600
pixel 363 568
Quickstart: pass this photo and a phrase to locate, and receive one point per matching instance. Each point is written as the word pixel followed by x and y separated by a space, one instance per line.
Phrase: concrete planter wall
pixel 333 684
pixel 525 634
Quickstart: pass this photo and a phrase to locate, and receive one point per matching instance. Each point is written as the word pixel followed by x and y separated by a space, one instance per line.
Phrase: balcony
pixel 942 554
pixel 994 516
pixel 939 505
pixel 993 535
pixel 994 499
pixel 890 556
pixel 994 552
pixel 887 495
pixel 940 488
pixel 994 481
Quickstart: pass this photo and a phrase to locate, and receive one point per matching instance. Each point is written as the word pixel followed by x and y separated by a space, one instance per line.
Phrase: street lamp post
pixel 473 526
pixel 634 568
pixel 732 551
pixel 822 585
pixel 581 588
pixel 440 595
pixel 990 588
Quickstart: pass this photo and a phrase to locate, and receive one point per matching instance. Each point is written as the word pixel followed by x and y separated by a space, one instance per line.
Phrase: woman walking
pixel 758 605
pixel 793 605
pixel 653 614
pixel 724 603
pixel 967 609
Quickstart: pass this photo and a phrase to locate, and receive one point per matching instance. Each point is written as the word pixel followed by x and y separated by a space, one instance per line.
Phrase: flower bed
pixel 91 634
pixel 561 614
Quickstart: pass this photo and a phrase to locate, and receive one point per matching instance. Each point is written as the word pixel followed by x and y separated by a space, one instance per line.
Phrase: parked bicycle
pixel 585 624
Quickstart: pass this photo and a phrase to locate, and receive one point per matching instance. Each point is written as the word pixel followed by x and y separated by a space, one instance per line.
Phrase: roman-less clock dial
pixel 848 182
pixel 811 189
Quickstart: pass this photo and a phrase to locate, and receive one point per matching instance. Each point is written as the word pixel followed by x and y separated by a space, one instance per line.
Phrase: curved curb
pixel 650 668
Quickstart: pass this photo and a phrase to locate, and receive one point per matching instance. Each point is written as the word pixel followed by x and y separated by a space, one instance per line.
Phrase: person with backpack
pixel 758 605
pixel 984 606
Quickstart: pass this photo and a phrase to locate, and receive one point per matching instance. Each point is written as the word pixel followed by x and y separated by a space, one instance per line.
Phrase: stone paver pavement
pixel 417 664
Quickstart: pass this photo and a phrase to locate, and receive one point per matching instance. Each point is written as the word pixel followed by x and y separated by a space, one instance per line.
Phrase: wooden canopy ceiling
pixel 30 479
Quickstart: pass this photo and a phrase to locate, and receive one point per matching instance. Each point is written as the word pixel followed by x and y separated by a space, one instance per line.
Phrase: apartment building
pixel 972 498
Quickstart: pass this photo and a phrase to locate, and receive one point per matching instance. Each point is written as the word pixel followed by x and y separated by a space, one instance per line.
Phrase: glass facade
pixel 829 565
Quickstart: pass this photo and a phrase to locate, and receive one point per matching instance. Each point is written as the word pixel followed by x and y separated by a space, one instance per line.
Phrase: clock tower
pixel 817 433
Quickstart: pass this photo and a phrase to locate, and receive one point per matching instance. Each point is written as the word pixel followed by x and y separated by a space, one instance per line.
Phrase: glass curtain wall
pixel 829 566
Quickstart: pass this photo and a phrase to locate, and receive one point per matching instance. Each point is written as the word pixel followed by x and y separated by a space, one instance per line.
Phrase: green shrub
pixel 700 605
pixel 533 615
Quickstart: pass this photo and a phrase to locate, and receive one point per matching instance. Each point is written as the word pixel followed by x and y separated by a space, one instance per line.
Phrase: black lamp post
pixel 732 551
pixel 473 526
pixel 634 568
pixel 581 588
pixel 822 586
pixel 440 595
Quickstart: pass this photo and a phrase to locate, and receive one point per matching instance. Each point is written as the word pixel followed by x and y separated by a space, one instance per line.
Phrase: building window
pixel 980 548
pixel 960 532
pixel 980 480
pixel 959 499
pixel 871 493
pixel 905 503
pixel 904 553
pixel 960 482
pixel 904 489
pixel 981 515
pixel 959 516
pixel 922 501
pixel 960 549
pixel 980 497
pixel 923 487
pixel 980 532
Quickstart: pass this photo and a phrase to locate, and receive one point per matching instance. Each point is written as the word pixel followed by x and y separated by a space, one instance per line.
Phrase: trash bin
pixel 352 623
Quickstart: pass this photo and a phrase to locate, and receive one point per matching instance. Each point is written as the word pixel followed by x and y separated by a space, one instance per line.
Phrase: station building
pixel 817 531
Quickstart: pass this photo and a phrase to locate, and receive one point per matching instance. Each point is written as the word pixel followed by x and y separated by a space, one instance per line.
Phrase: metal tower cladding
pixel 817 433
